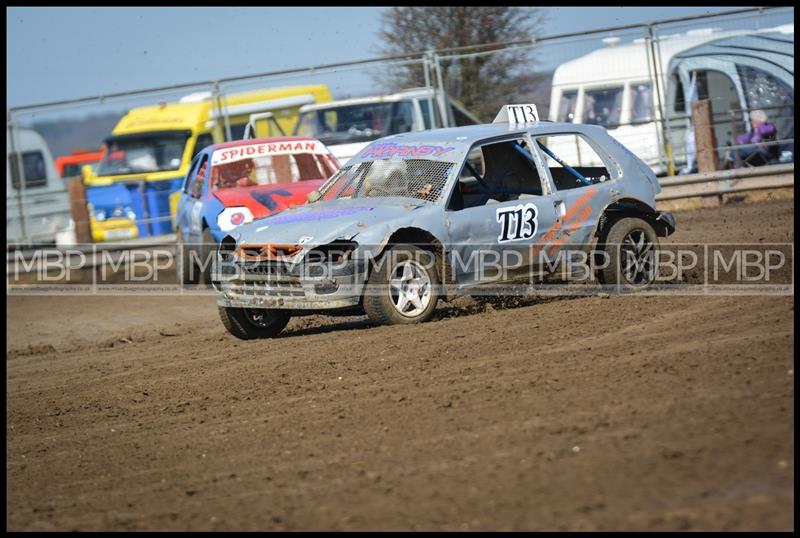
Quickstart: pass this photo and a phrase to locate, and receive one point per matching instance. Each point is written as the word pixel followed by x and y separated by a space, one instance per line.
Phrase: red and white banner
pixel 239 153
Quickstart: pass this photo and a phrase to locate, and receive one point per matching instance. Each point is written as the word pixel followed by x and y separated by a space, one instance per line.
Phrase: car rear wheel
pixel 253 323
pixel 631 245
pixel 404 288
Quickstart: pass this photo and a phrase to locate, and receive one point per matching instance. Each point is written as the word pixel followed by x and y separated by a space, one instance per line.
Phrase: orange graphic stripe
pixel 581 206
pixel 580 203
pixel 585 214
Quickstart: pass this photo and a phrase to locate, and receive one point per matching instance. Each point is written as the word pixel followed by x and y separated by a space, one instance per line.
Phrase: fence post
pixel 705 141
pixel 426 72
pixel 657 103
pixel 79 210
pixel 664 128
pixel 737 160
pixel 441 96
pixel 222 116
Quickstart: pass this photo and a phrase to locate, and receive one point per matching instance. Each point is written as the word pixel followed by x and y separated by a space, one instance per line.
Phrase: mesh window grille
pixel 416 178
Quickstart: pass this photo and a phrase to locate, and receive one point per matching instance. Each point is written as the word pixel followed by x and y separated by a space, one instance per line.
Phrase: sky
pixel 58 53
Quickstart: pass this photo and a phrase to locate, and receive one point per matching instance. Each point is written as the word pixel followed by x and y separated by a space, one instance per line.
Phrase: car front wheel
pixel 404 288
pixel 253 323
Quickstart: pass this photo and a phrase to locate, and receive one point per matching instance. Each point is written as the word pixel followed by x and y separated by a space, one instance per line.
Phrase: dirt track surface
pixel 659 413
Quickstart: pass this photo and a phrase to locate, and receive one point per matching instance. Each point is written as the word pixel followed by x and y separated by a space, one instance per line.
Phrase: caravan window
pixel 32 165
pixel 641 103
pixel 766 92
pixel 603 107
pixel 566 107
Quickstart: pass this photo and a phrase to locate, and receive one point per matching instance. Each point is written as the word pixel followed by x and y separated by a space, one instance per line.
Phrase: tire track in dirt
pixel 610 413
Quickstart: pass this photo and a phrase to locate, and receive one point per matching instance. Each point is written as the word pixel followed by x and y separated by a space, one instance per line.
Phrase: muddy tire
pixel 253 323
pixel 631 245
pixel 405 287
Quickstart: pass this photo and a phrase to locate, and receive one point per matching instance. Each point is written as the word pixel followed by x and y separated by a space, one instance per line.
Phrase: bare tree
pixel 483 83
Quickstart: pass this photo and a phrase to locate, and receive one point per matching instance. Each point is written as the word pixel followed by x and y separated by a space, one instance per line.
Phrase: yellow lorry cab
pixel 149 151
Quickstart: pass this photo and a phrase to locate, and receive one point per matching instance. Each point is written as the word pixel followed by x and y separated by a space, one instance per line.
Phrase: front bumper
pixel 113 229
pixel 288 287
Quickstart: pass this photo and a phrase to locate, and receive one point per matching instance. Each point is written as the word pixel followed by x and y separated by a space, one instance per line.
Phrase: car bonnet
pixel 322 222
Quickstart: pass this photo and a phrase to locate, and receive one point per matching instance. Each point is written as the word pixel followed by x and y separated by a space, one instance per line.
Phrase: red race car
pixel 234 183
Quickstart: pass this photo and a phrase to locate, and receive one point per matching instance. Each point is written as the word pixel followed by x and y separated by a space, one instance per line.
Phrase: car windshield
pixel 141 153
pixel 416 178
pixel 271 169
pixel 356 123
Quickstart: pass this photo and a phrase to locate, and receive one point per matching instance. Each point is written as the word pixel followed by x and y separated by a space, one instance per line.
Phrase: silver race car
pixel 421 216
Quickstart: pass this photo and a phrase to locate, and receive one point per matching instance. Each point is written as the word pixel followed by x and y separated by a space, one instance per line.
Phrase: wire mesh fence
pixel 638 81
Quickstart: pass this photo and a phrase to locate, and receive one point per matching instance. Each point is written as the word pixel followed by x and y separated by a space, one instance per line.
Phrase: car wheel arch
pixel 628 207
pixel 419 237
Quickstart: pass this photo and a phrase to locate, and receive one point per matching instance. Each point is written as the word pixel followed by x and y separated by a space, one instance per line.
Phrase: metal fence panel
pixel 635 80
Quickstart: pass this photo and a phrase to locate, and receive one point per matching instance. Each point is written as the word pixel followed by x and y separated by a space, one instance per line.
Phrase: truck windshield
pixel 356 123
pixel 141 153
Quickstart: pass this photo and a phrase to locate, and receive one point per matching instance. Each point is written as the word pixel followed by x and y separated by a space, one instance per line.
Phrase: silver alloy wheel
pixel 639 261
pixel 259 317
pixel 410 288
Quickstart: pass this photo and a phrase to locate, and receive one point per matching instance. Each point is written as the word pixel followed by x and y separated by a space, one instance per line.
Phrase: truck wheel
pixel 188 273
pixel 252 323
pixel 405 288
pixel 631 246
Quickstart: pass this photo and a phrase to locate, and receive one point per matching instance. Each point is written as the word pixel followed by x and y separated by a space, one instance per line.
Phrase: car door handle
pixel 561 208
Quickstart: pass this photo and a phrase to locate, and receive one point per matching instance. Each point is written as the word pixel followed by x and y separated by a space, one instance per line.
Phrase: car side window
pixel 190 175
pixel 196 188
pixel 494 173
pixel 573 162
pixel 426 107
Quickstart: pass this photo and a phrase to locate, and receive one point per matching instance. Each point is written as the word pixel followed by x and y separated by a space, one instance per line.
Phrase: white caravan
pixel 616 87
pixel 37 204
